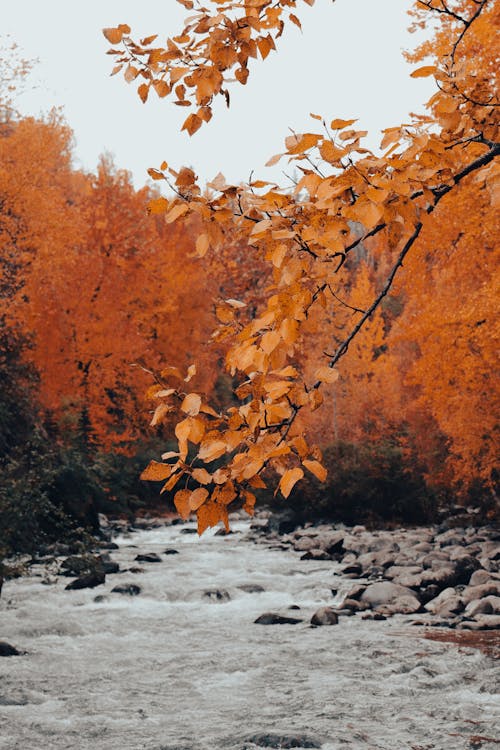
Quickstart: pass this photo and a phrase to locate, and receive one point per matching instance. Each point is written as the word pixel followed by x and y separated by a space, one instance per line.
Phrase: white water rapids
pixel 175 669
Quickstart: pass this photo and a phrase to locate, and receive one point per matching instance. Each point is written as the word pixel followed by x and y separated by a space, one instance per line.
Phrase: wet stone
pixel 279 741
pixel 324 616
pixel 89 581
pixel 127 589
pixel 7 650
pixel 217 595
pixel 149 557
pixel 170 551
pixel 272 618
pixel 251 588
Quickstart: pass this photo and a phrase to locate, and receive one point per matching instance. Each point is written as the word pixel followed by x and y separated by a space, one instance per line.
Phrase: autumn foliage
pixel 391 203
pixel 255 328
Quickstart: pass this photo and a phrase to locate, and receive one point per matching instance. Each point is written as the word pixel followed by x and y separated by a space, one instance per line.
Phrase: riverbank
pixel 165 654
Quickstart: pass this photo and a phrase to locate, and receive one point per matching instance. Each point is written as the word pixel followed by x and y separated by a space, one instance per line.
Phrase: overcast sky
pixel 347 62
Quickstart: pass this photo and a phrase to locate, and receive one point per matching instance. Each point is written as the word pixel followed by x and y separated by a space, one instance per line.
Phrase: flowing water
pixel 176 668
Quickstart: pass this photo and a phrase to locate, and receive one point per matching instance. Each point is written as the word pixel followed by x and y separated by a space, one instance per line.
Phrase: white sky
pixel 346 63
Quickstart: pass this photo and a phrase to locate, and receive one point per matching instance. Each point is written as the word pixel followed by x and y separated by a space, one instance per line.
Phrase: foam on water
pixel 175 669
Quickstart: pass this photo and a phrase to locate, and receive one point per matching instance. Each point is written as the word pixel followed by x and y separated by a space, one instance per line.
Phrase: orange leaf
pixel 327 374
pixel 211 449
pixel 339 124
pixel 192 123
pixel 191 404
pixel 143 92
pixel 202 476
pixel 202 245
pixel 176 212
pixel 316 468
pixel 427 70
pixel 210 514
pixel 156 472
pixel 289 480
pixel 181 501
pixel 197 498
pixel 113 35
pixel 158 205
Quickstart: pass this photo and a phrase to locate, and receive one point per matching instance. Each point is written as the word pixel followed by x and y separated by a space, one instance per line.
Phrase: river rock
pixel 392 597
pixel 324 616
pixel 479 577
pixel 251 588
pixel 283 742
pixel 88 581
pixel 217 595
pixel 479 592
pixel 489 605
pixel 7 650
pixel 76 565
pixel 273 618
pixel 170 551
pixel 149 557
pixel 127 589
pixel 315 554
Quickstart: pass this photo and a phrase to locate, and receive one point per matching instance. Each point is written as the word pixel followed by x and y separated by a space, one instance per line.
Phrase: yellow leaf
pixel 156 472
pixel 181 501
pixel 191 404
pixel 289 480
pixel 327 374
pixel 197 498
pixel 316 468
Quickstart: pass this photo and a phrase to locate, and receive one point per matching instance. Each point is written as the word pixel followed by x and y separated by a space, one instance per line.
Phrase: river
pixel 176 668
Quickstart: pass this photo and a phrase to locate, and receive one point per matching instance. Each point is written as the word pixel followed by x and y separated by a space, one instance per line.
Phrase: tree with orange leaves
pixel 308 235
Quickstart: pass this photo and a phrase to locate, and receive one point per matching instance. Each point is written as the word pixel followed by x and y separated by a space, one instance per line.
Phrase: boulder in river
pixel 170 551
pixel 324 616
pixel 88 581
pixel 7 650
pixel 392 597
pixel 149 557
pixel 284 742
pixel 273 618
pixel 251 588
pixel 127 589
pixel 217 595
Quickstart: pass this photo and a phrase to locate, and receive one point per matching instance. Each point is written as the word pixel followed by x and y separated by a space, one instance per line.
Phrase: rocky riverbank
pixel 160 640
pixel 437 576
